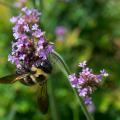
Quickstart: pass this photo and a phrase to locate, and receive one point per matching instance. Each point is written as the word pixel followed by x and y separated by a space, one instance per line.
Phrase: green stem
pixel 75 113
pixel 79 99
pixel 52 101
pixel 40 5
pixel 12 113
pixel 34 3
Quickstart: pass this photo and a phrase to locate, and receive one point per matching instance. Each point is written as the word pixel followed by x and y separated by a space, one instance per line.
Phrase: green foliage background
pixel 93 35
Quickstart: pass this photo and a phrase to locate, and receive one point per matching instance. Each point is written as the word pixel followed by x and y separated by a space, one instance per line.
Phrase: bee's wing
pixel 11 78
pixel 43 97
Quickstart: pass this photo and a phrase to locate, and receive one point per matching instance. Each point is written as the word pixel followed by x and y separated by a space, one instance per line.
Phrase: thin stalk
pixel 52 102
pixel 34 3
pixel 75 113
pixel 40 5
pixel 12 113
pixel 79 99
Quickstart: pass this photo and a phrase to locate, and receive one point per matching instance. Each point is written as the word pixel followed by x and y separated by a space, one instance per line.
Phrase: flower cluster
pixel 60 30
pixel 86 82
pixel 29 44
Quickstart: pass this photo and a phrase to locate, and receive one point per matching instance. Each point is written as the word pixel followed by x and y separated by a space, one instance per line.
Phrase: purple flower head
pixel 20 21
pixel 81 80
pixel 24 9
pixel 73 80
pixel 13 19
pixel 10 58
pixel 28 48
pixel 99 77
pixel 82 64
pixel 104 73
pixel 86 71
pixel 60 30
pixel 38 33
pixel 50 48
pixel 35 27
pixel 88 100
pixel 86 82
pixel 42 55
pixel 16 35
pixel 26 28
pixel 83 92
pixel 91 108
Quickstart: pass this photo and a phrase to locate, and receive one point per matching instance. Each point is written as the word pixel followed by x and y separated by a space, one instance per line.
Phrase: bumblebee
pixel 36 75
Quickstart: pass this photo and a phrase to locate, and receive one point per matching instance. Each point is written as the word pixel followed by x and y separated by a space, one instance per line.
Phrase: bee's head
pixel 45 66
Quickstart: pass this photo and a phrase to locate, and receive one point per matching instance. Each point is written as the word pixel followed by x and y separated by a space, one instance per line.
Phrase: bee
pixel 36 75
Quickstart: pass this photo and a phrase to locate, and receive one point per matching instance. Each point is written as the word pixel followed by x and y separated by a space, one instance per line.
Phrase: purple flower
pixel 88 100
pixel 16 28
pixel 42 55
pixel 28 48
pixel 10 58
pixel 22 57
pixel 99 77
pixel 86 71
pixel 83 92
pixel 104 73
pixel 26 28
pixel 86 82
pixel 35 27
pixel 21 21
pixel 91 108
pixel 50 48
pixel 24 9
pixel 81 80
pixel 41 40
pixel 60 30
pixel 16 35
pixel 38 33
pixel 82 64
pixel 13 19
pixel 73 80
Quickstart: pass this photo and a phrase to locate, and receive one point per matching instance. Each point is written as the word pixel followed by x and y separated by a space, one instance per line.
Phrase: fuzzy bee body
pixel 29 80
pixel 37 75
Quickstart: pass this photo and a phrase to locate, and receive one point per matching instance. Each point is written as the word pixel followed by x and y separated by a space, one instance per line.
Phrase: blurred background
pixel 81 30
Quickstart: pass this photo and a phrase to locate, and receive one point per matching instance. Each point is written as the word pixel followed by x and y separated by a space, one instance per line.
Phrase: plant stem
pixel 52 101
pixel 40 5
pixel 12 113
pixel 34 3
pixel 79 99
